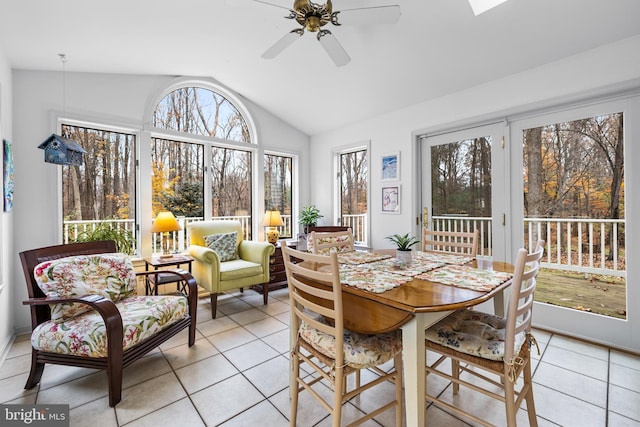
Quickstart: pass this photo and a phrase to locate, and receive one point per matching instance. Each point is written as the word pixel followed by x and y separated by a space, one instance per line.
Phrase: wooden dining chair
pixel 464 243
pixel 330 350
pixel 325 243
pixel 480 344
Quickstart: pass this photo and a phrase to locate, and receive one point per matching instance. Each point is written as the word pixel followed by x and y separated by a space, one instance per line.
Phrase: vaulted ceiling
pixel 437 47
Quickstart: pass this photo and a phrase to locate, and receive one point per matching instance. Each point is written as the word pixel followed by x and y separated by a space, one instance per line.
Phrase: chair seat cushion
pixel 85 335
pixel 475 333
pixel 360 350
pixel 238 269
pixel 111 276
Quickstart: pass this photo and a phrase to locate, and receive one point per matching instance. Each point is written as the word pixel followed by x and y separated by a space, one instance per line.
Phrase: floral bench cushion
pixel 360 350
pixel 327 251
pixel 108 275
pixel 475 333
pixel 85 334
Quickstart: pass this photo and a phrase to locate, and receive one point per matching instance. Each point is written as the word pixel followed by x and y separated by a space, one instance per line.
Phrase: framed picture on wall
pixel 391 199
pixel 8 175
pixel 390 164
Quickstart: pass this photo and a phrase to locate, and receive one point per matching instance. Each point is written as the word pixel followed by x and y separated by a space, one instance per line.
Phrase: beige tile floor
pixel 237 375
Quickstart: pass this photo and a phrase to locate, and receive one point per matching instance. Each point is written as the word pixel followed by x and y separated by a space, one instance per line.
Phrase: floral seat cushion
pixel 475 333
pixel 111 276
pixel 85 334
pixel 360 350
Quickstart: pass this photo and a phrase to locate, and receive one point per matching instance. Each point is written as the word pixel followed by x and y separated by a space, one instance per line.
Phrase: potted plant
pixel 403 242
pixel 309 216
pixel 125 242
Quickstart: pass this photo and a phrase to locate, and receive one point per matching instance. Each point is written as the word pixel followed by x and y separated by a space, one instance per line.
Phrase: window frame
pixel 109 126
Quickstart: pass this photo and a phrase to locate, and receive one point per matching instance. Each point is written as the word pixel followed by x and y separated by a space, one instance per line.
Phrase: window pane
pixel 202 112
pixel 277 189
pixel 353 201
pixel 231 190
pixel 177 183
pixel 177 178
pixel 100 194
pixel 461 178
pixel 574 200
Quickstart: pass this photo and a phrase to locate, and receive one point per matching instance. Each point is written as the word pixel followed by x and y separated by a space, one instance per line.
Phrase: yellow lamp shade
pixel 272 219
pixel 165 221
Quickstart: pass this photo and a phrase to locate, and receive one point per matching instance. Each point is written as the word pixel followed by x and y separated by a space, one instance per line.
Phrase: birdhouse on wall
pixel 62 151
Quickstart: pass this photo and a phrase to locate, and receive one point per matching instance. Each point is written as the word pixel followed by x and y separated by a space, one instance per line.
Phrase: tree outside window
pixel 278 172
pixel 101 193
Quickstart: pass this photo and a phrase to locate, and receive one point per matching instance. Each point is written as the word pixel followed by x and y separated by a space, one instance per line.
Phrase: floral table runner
pixel 394 266
pixel 359 257
pixel 467 277
pixel 371 280
pixel 442 257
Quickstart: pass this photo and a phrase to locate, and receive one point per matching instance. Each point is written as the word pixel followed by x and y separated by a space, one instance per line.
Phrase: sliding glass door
pixel 464 185
pixel 574 192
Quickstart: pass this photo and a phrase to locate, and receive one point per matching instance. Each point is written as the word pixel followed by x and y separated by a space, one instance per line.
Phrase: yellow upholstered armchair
pixel 223 260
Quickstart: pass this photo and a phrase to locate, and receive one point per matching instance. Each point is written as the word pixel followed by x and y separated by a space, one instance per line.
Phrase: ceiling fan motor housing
pixel 311 15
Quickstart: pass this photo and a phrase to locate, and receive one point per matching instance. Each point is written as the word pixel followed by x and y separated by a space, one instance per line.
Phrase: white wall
pixel 105 98
pixel 601 70
pixel 6 218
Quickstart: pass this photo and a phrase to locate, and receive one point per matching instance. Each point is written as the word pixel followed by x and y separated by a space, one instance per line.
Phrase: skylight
pixel 480 6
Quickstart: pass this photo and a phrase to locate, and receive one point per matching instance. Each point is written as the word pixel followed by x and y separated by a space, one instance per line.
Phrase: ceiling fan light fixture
pixel 312 17
pixel 313 23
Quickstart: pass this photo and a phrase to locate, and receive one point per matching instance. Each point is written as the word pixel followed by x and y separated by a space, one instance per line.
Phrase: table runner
pixel 467 277
pixel 359 257
pixel 370 280
pixel 443 258
pixel 414 268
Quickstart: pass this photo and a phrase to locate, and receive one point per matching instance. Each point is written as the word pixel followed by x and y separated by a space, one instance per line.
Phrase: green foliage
pixel 125 242
pixel 186 201
pixel 404 241
pixel 309 216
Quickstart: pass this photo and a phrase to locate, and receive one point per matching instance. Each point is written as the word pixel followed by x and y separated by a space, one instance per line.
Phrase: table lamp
pixel 165 222
pixel 272 219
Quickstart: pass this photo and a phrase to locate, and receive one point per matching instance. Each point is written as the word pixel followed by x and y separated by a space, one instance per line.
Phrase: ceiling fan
pixel 313 16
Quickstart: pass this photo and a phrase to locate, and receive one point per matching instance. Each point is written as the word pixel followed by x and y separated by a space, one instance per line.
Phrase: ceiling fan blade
pixel 368 16
pixel 333 48
pixel 271 4
pixel 283 43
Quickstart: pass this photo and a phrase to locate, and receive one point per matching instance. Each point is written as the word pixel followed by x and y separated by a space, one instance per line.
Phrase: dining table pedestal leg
pixel 413 360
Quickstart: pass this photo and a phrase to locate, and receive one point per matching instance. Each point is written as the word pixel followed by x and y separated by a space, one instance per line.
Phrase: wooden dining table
pixel 413 307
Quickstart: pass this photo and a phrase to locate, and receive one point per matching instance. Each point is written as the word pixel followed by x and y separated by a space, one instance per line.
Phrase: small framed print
pixel 391 199
pixel 390 167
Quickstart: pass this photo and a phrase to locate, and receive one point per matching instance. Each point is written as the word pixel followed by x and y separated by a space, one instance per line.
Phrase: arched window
pixel 199 137
pixel 201 111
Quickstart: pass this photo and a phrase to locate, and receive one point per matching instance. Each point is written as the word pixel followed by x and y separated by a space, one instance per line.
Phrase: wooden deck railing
pixel 593 246
pixel 584 245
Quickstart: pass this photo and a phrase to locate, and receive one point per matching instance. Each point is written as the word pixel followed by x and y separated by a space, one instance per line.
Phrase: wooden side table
pixel 152 281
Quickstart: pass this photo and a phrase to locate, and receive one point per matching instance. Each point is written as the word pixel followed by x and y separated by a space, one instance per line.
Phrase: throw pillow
pixel 108 275
pixel 225 245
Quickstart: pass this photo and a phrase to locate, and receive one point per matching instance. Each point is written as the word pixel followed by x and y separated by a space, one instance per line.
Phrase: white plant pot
pixel 404 256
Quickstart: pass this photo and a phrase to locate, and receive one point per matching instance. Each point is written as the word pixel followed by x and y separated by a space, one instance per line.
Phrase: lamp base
pixel 272 235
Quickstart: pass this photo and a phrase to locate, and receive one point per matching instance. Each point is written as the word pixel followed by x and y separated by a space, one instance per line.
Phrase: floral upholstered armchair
pixel 85 310
pixel 223 260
